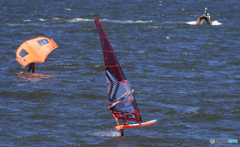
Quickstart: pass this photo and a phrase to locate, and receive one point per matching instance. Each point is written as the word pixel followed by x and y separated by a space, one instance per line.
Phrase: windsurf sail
pixel 121 100
pixel 35 50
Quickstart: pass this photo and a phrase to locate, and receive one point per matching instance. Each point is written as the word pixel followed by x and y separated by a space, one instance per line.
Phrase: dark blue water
pixel 186 76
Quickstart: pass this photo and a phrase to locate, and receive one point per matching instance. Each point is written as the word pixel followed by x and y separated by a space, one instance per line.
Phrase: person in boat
pixel 206 15
pixel 31 66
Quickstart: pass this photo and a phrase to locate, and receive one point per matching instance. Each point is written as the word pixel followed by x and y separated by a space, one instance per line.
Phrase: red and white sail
pixel 120 97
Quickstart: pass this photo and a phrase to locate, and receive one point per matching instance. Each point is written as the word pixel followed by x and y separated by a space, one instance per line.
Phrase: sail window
pixel 23 53
pixel 42 42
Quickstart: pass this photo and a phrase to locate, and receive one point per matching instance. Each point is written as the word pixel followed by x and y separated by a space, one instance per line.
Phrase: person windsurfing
pixel 118 101
pixel 121 100
pixel 31 66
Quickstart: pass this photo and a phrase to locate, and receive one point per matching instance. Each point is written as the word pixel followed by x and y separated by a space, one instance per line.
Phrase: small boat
pixel 204 19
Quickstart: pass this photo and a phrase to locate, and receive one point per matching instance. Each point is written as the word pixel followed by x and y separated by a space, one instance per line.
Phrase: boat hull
pixel 203 20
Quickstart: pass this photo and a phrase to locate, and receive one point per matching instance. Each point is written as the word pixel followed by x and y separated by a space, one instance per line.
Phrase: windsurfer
pixel 119 100
pixel 117 120
pixel 31 66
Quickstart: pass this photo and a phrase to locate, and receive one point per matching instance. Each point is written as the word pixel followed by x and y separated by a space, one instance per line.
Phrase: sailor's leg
pixel 29 68
pixel 117 121
pixel 121 131
pixel 33 66
pixel 140 118
pixel 125 122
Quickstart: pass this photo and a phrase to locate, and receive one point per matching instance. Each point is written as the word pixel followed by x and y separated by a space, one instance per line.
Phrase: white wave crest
pixel 67 9
pixel 115 21
pixel 26 20
pixel 56 18
pixel 107 133
pixel 79 20
pixel 130 21
pixel 42 19
pixel 155 27
pixel 13 25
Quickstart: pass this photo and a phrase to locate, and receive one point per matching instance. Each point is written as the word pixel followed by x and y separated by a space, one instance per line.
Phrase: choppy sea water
pixel 186 76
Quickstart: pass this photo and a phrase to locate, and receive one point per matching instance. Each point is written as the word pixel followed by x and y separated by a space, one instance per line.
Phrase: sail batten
pixel 113 83
pixel 120 97
pixel 108 51
pixel 113 66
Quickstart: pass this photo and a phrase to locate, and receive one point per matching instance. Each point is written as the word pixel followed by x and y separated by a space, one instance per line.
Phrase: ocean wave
pixel 56 18
pixel 42 19
pixel 155 27
pixel 13 25
pixel 115 21
pixel 109 133
pixel 79 20
pixel 26 20
pixel 67 9
pixel 130 21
